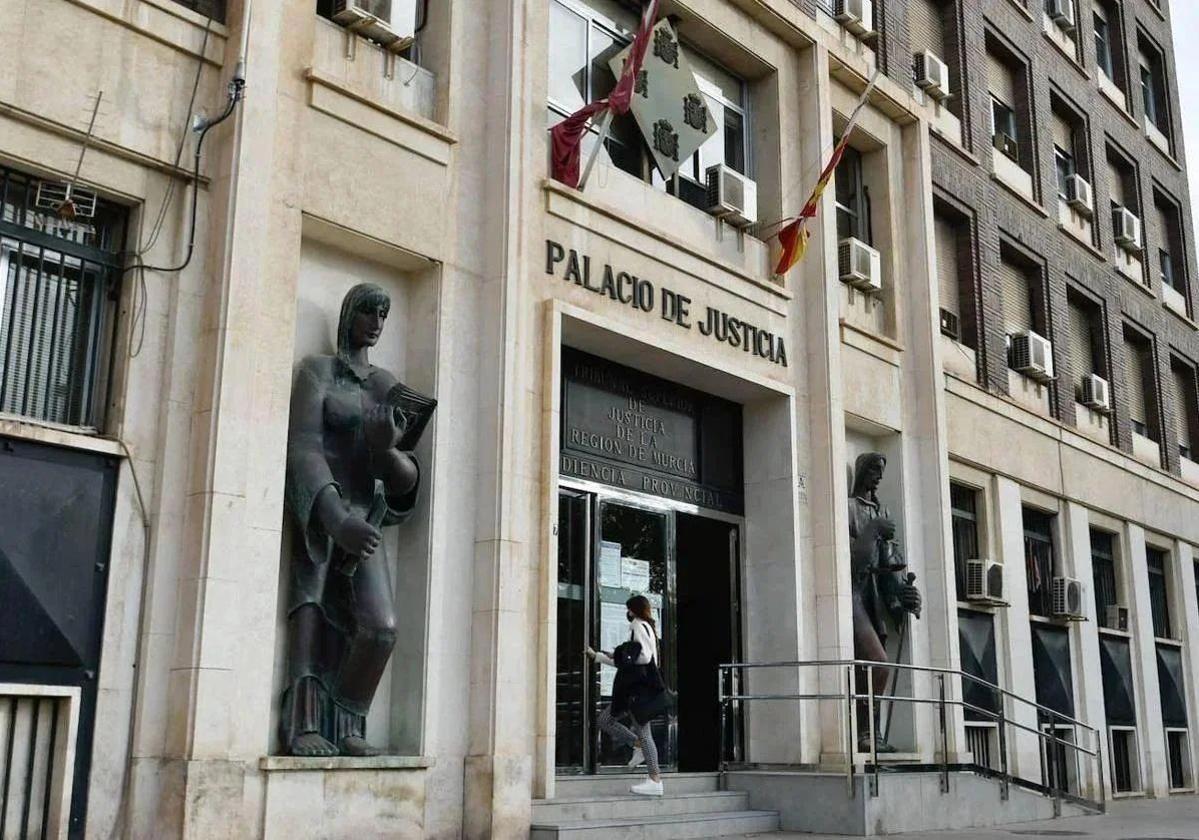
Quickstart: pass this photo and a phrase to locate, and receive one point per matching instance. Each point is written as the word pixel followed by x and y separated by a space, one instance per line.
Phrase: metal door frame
pixel 597 494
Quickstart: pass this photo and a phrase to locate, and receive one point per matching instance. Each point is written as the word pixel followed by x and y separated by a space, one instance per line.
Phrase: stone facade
pixel 430 177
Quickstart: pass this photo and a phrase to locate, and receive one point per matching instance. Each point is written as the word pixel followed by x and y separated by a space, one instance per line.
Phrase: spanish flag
pixel 794 235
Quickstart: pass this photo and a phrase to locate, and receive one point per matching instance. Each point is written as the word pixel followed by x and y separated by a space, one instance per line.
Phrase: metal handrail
pixel 851 698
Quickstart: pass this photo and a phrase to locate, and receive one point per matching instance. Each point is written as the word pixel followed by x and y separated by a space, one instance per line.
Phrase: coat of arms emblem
pixel 695 112
pixel 666 140
pixel 666 47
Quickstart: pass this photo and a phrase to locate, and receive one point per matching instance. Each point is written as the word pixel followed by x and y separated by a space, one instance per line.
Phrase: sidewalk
pixel 1176 818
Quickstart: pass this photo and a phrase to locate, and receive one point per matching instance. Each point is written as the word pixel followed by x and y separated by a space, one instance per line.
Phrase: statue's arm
pixel 312 492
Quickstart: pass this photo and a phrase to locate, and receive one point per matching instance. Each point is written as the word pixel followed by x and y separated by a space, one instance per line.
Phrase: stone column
pixel 1024 750
pixel 219 695
pixel 926 477
pixel 830 622
pixel 1084 640
pixel 1151 740
pixel 1188 624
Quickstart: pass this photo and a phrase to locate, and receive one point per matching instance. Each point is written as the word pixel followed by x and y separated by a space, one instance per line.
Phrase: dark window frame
pixel 965 528
pixel 1040 560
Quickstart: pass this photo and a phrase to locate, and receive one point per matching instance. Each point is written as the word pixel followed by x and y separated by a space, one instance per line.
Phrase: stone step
pixel 670 827
pixel 633 806
pixel 617 784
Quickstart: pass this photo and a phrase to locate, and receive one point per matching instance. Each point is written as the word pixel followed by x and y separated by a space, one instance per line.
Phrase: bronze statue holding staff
pixel 350 472
pixel 879 587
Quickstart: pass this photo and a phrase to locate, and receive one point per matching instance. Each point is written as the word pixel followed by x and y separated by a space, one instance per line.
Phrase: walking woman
pixel 638 691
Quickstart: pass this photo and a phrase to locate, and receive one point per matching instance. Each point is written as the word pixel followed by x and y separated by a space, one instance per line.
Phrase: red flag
pixel 795 234
pixel 566 137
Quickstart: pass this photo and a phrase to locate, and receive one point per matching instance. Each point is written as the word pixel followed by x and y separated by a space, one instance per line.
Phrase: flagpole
pixel 605 127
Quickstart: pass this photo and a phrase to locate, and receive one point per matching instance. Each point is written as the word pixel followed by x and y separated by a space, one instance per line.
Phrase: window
pixel 1103 41
pixel 1103 568
pixel 582 42
pixel 1122 182
pixel 1159 602
pixel 963 506
pixel 1003 125
pixel 1178 752
pixel 1040 564
pixel 1017 281
pixel 1169 245
pixel 1065 150
pixel 1125 766
pixel 1186 412
pixel 1142 406
pixel 852 198
pixel 1086 354
pixel 57 306
pixel 1001 82
pixel 209 8
pixel 1153 85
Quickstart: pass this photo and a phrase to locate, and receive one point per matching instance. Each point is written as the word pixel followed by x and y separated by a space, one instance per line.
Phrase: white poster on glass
pixel 634 574
pixel 609 564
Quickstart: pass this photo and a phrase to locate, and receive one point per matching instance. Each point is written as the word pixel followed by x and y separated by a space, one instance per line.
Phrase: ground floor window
pixel 1126 776
pixel 982 739
pixel 1178 752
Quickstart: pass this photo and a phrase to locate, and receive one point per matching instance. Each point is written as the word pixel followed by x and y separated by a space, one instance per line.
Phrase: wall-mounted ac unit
pixel 1006 144
pixel 1068 598
pixel 951 324
pixel 1115 617
pixel 1061 12
pixel 932 74
pixel 984 581
pixel 1032 355
pixel 855 15
pixel 1126 229
pixel 860 265
pixel 1096 393
pixel 391 23
pixel 1079 195
pixel 732 196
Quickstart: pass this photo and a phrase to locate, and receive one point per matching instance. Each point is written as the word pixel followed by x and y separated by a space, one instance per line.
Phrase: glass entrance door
pixel 633 557
pixel 610 549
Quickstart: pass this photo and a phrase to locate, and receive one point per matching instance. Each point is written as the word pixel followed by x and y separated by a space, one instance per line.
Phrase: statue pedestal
pixel 383 796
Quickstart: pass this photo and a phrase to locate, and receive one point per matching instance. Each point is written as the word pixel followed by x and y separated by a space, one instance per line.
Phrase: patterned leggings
pixel 621 734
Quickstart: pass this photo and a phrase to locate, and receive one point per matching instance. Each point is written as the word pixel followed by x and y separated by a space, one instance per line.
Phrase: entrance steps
pixel 601 808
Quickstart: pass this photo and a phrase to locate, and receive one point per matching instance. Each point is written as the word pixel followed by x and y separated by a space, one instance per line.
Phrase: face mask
pixel 630 616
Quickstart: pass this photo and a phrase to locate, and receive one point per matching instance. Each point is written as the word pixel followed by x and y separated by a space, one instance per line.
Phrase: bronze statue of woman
pixel 346 479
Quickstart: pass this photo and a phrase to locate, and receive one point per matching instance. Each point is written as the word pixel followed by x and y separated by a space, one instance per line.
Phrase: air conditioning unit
pixel 1096 393
pixel 732 196
pixel 391 23
pixel 1068 598
pixel 1126 229
pixel 1115 617
pixel 1031 355
pixel 855 15
pixel 1006 144
pixel 950 324
pixel 932 74
pixel 984 581
pixel 860 265
pixel 1061 12
pixel 1079 195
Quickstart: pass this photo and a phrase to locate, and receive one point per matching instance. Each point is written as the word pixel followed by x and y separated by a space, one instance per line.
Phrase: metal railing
pixel 732 676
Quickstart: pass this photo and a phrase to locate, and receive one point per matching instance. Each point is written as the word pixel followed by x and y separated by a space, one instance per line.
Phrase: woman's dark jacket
pixel 637 689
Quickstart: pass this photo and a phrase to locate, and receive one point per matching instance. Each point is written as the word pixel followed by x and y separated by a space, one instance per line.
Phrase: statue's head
pixel 364 309
pixel 867 473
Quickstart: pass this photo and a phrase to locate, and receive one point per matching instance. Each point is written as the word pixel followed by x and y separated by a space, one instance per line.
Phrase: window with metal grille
pixel 1125 768
pixel 1039 561
pixel 58 291
pixel 1159 602
pixel 214 9
pixel 1103 566
pixel 1178 754
pixel 963 502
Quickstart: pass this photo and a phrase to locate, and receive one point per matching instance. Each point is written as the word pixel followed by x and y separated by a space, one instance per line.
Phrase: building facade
pixel 998 296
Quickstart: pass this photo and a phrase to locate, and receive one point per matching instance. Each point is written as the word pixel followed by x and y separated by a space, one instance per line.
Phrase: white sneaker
pixel 638 758
pixel 647 788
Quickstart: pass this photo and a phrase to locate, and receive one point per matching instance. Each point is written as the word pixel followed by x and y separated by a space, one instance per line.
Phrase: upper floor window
pixel 582 42
pixel 1142 403
pixel 1040 563
pixel 963 504
pixel 1156 561
pixel 852 198
pixel 1065 152
pixel 1086 337
pixel 58 298
pixel 1171 266
pixel 1103 568
pixel 1154 97
pixel 1021 294
pixel 1008 115
pixel 1186 409
pixel 1103 41
pixel 952 234
pixel 214 9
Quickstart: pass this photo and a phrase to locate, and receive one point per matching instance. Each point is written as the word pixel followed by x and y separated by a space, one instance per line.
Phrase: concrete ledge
pixel 274 763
